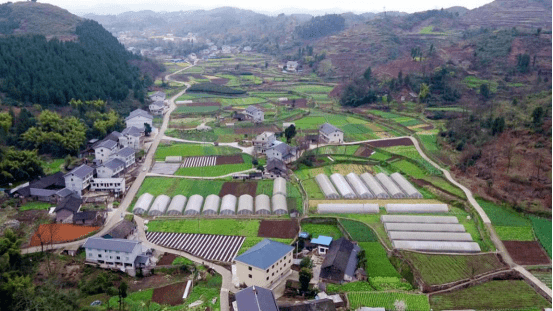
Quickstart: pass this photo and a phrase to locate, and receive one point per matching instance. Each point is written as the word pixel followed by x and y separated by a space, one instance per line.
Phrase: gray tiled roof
pixel 139 112
pixel 114 164
pixel 42 192
pixel 125 152
pixel 158 104
pixel 328 128
pixel 71 203
pixel 64 192
pixel 252 109
pixel 158 93
pixel 255 298
pixel 81 171
pixel 132 131
pixel 108 143
pixel 283 148
pixel 264 254
pixel 118 245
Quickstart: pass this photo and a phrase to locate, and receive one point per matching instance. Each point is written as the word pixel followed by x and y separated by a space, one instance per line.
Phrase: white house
pixel 104 150
pixel 323 244
pixel 79 179
pixel 131 137
pixel 255 114
pixel 137 118
pixel 115 253
pixel 264 264
pixel 291 66
pixel 281 151
pixel 116 185
pixel 157 96
pixel 158 107
pixel 110 168
pixel 126 155
pixel 330 134
pixel 263 141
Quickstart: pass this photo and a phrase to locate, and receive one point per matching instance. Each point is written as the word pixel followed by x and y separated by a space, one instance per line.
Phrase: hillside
pixel 510 13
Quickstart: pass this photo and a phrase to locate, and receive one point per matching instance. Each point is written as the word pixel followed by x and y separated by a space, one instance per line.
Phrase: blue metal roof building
pixel 264 254
pixel 322 240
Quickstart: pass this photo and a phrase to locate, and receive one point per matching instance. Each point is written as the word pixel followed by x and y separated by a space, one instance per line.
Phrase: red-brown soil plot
pixel 299 103
pixel 527 253
pixel 282 229
pixel 59 233
pixel 229 159
pixel 391 142
pixel 363 151
pixel 170 294
pixel 220 81
pixel 166 259
pixel 238 188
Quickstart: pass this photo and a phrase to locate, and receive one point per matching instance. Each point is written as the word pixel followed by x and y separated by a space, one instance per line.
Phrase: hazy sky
pixel 287 6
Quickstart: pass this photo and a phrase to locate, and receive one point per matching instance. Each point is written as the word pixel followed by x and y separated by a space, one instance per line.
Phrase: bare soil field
pixel 170 294
pixel 220 81
pixel 60 233
pixel 300 103
pixel 527 253
pixel 391 142
pixel 180 77
pixel 256 130
pixel 229 159
pixel 238 188
pixel 166 259
pixel 363 151
pixel 282 229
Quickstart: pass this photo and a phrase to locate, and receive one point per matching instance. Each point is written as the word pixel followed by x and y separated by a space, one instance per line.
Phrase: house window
pixel 89 254
pixel 284 257
pixel 273 267
pixel 250 276
pixel 250 268
pixel 118 258
pixel 99 255
pixel 267 270
pixel 267 278
pixel 273 274
pixel 127 258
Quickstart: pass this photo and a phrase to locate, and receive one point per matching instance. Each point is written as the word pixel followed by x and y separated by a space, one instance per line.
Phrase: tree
pixel 147 129
pixel 290 132
pixel 255 162
pixel 367 74
pixel 485 91
pixel 5 122
pixel 122 293
pixel 361 259
pixel 523 62
pixel 305 276
pixel 306 262
pixel 260 168
pixel 537 117
pixel 424 92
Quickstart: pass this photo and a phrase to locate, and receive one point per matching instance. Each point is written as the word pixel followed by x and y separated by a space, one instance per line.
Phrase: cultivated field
pixel 413 302
pixel 59 233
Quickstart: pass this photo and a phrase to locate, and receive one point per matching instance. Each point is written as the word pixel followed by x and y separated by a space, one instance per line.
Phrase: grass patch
pixel 52 166
pixel 195 109
pixel 542 228
pixel 507 233
pixel 35 206
pixel 189 150
pixel 501 216
pixel 247 228
pixel 358 231
pixel 386 300
pixel 378 263
pixel 475 83
pixel 182 261
pixel 321 229
pixel 173 186
pixel 206 290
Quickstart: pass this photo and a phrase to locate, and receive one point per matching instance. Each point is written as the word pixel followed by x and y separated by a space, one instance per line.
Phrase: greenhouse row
pixel 347 208
pixel 229 205
pixel 416 208
pixel 367 186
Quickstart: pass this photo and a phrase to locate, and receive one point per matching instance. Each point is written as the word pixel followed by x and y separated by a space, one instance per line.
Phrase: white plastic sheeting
pixel 177 205
pixel 430 236
pixel 406 186
pixel 279 205
pixel 159 206
pixel 374 186
pixel 359 187
pixel 416 208
pixel 143 203
pixel 343 186
pixel 194 205
pixel 438 246
pixel 347 208
pixel 211 205
pixel 228 205
pixel 262 204
pixel 420 219
pixel 326 187
pixel 392 226
pixel 388 184
pixel 245 204
pixel 279 186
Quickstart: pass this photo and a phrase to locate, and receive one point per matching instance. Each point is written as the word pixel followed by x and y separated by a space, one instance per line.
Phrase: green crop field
pixel 52 166
pixel 358 231
pixel 35 206
pixel 321 229
pixel 501 216
pixel 542 228
pixel 413 302
pixel 312 189
pixel 378 263
pixel 195 109
pixel 264 187
pixel 190 150
pixel 240 101
pixel 240 227
pixel 429 142
pixel 216 170
pixel 511 233
pixel 409 169
pixel 173 186
pixel 493 295
pixel 385 115
pixel 474 83
pixel 441 269
pixel 312 88
pixel 359 286
pixel 545 277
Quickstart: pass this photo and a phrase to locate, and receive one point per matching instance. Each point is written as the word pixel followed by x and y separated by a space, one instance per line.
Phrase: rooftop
pixel 139 113
pixel 81 171
pixel 125 152
pixel 108 143
pixel 252 109
pixel 71 203
pixel 322 240
pixel 131 131
pixel 114 164
pixel 328 128
pixel 158 104
pixel 255 298
pixel 264 254
pixel 118 245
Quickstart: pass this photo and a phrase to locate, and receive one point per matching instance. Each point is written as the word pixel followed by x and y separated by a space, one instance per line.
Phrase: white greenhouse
pixel 228 205
pixel 194 205
pixel 342 186
pixel 279 205
pixel 406 186
pixel 262 204
pixel 279 186
pixel 326 187
pixel 347 208
pixel 159 206
pixel 420 219
pixel 177 205
pixel 416 208
pixel 388 184
pixel 374 186
pixel 430 236
pixel 359 187
pixel 142 204
pixel 392 226
pixel 245 204
pixel 211 205
pixel 438 246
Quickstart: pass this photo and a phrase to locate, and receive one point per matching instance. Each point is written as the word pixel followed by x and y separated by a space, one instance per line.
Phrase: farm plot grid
pixel 208 246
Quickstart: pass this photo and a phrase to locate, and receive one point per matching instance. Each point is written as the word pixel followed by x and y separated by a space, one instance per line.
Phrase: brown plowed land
pixel 238 188
pixel 363 151
pixel 166 259
pixel 170 294
pixel 527 253
pixel 300 103
pixel 391 143
pixel 204 104
pixel 255 130
pixel 281 229
pixel 229 159
pixel 220 81
pixel 59 233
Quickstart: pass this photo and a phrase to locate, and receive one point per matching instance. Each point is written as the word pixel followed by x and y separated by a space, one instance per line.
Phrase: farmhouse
pixel 79 179
pixel 276 168
pixel 115 253
pixel 322 243
pixel 122 231
pixel 131 137
pixel 116 185
pixel 255 114
pixel 330 134
pixel 255 298
pixel 157 96
pixel 157 107
pixel 281 151
pixel 87 218
pixel 67 208
pixel 49 188
pixel 291 66
pixel 138 118
pixel 104 150
pixel 264 264
pixel 263 141
pixel 126 155
pixel 340 262
pixel 110 169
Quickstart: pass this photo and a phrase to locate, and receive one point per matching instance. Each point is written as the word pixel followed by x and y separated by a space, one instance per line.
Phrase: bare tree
pixel 400 305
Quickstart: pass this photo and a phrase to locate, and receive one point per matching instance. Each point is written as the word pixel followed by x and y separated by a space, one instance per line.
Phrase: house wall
pixel 100 184
pixel 76 184
pixel 125 259
pixel 272 153
pixel 64 216
pixel 266 277
pixel 335 137
pixel 130 160
pixel 138 122
pixel 102 154
pixel 130 141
